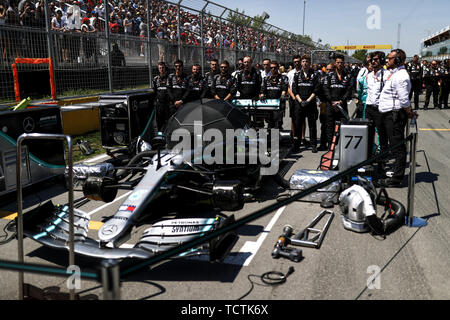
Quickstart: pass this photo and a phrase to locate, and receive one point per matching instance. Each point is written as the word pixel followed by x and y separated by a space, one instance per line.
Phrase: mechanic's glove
pixel 304 103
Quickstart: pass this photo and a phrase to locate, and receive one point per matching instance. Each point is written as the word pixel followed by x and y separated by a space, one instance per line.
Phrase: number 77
pixel 351 139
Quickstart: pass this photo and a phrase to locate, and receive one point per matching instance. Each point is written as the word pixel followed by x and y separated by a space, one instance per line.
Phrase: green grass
pixel 94 140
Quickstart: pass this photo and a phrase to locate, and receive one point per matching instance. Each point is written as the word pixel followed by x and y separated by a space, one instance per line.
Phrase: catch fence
pixel 88 63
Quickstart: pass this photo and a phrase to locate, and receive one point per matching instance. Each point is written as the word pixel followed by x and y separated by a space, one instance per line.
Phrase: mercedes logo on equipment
pixel 28 124
pixel 109 229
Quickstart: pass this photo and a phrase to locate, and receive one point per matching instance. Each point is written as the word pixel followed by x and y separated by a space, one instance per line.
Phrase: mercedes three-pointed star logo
pixel 28 124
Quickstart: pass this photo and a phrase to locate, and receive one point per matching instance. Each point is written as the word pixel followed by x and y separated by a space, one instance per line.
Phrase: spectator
pixel 89 43
pixel 143 28
pixel 59 24
pixel 117 56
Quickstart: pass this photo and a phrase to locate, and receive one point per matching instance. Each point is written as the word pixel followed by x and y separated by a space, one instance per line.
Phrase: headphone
pixel 397 60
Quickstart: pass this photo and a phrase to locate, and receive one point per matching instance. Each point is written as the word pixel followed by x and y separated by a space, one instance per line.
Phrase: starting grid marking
pixel 426 129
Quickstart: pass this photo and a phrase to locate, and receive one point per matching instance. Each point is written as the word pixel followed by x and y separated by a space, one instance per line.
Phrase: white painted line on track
pixel 108 204
pixel 253 246
pixel 249 249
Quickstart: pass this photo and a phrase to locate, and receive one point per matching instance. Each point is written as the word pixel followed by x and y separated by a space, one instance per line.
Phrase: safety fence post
pixel 110 277
pixel 38 136
pixel 48 31
pixel 149 42
pixel 178 29
pixel 412 221
pixel 108 48
pixel 202 42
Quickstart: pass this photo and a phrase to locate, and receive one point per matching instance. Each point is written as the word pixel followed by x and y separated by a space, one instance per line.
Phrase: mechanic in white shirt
pixel 395 109
pixel 375 83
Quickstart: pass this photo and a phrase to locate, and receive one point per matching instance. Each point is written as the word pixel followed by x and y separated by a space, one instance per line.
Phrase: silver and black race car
pixel 194 163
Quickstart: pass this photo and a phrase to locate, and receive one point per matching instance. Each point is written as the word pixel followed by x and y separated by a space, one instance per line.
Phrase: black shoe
pixel 314 149
pixel 306 143
pixel 296 148
pixel 322 148
pixel 390 183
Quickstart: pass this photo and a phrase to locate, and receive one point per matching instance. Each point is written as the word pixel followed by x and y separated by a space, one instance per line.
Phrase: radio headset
pixel 398 61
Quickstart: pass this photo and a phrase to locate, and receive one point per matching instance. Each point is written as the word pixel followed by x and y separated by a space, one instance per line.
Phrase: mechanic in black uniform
pixel 415 74
pixel 322 107
pixel 305 87
pixel 178 87
pixel 274 86
pixel 445 84
pixel 162 101
pixel 223 85
pixel 196 85
pixel 431 78
pixel 209 77
pixel 248 81
pixel 337 90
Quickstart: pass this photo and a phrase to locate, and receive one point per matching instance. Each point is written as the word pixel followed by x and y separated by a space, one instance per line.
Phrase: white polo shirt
pixel 374 86
pixel 395 93
pixel 291 75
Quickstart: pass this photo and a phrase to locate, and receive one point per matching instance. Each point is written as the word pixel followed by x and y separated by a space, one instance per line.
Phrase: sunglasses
pixel 375 59
pixel 273 67
pixel 223 67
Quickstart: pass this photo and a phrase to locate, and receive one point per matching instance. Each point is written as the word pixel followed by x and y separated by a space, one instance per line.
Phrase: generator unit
pixel 41 159
pixel 126 116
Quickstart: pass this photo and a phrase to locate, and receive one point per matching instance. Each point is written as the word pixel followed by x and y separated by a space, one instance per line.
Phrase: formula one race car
pixel 167 176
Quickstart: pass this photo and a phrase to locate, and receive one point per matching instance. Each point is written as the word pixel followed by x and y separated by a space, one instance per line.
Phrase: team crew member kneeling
pixel 395 109
pixel 305 87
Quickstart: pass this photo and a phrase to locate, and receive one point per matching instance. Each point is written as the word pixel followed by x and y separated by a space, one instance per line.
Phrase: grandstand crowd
pixel 129 17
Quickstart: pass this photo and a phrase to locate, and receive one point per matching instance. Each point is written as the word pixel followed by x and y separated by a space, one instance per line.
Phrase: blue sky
pixel 336 22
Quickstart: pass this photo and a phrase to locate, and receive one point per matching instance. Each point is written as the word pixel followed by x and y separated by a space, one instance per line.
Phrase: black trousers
pixel 162 115
pixel 394 123
pixel 323 129
pixel 416 87
pixel 332 115
pixel 308 112
pixel 443 101
pixel 432 89
pixel 373 114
